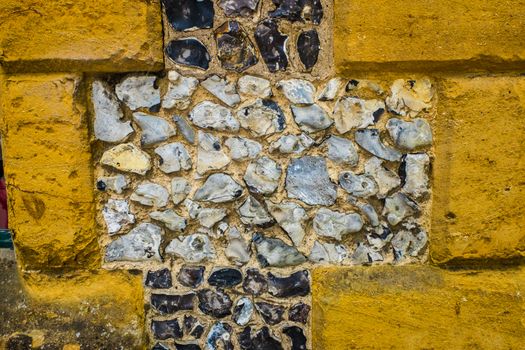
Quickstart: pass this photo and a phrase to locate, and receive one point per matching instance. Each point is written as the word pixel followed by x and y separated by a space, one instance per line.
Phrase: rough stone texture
pixel 417 307
pixel 85 36
pixel 478 170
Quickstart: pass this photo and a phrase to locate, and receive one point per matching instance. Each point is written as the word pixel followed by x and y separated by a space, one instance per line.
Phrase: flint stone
pixel 296 10
pixel 410 135
pixel 242 148
pixel 219 188
pixel 262 176
pixel 243 310
pixel 297 91
pixel 154 129
pixel 272 314
pixel 272 45
pixel 238 7
pixel 222 89
pixel 378 237
pixel 254 282
pixel 180 90
pixel 140 244
pixel 327 253
pixel 299 312
pixel 191 276
pixel 186 15
pixel 189 52
pixel 180 188
pixel 263 117
pixel 352 112
pixel 363 254
pixel 237 250
pixel 159 279
pixel 405 243
pixel 116 215
pixel 210 155
pixel 410 97
pixel 127 157
pixel 169 304
pixel 292 144
pixel 117 183
pixel 254 86
pixel 342 151
pixel 194 248
pixel 214 303
pixel 308 47
pixel 138 91
pixel 311 118
pixel 108 125
pixel 150 194
pixel 397 207
pixel 370 141
pixel 296 336
pixel 414 168
pixel 369 212
pixel 297 284
pixel 225 278
pixel 331 90
pixel 210 216
pixel 188 346
pixel 252 212
pixel 222 332
pixel 174 157
pixel 209 115
pixel 159 346
pixel 170 219
pixel 292 218
pixel 274 252
pixel 307 180
pixel 334 224
pixel 385 179
pixel 235 49
pixel 193 327
pixel 185 129
pixel 166 329
pixel 262 340
pixel 364 85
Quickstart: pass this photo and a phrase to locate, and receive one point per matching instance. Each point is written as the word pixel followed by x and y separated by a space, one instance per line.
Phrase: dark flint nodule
pixel 273 105
pixel 159 279
pixel 298 10
pixel 189 14
pixel 272 45
pixel 308 47
pixel 234 48
pixel 188 52
pixel 377 114
pixel 160 346
pixel 254 283
pixel 225 278
pixel 238 7
pixel 101 185
pixel 189 346
pixel 193 327
pixel 262 340
pixel 272 314
pixel 166 329
pixel 191 276
pixel 299 312
pixel 168 304
pixel 297 336
pixel 402 171
pixel 298 283
pixel 214 303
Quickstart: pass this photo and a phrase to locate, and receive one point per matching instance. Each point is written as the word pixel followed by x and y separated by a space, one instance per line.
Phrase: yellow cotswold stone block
pixel 424 35
pixel 417 307
pixel 82 35
pixel 478 207
pixel 47 160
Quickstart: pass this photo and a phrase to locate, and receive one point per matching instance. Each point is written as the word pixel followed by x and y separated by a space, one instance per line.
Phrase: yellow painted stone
pixel 417 307
pixel 478 207
pixel 82 35
pixel 48 166
pixel 424 35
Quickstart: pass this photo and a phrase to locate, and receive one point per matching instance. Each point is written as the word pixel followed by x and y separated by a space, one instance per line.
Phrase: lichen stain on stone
pixel 34 205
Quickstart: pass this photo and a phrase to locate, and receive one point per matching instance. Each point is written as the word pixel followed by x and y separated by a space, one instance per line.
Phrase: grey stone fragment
pixel 334 224
pixel 108 125
pixel 378 237
pixel 150 194
pixel 170 219
pixel 410 135
pixel 342 151
pixel 297 91
pixel 274 252
pixel 219 188
pixel 243 310
pixel 385 179
pixel 222 89
pixel 209 115
pixel 254 86
pixel 291 217
pixel 311 118
pixel 352 112
pixel 414 168
pixel 193 208
pixel 262 176
pixel 219 332
pixel 210 155
pixel 185 129
pixel 117 183
pixel 370 213
pixel 193 248
pixel 140 244
pixel 210 216
pixel 362 186
pixel 138 91
pixel 238 249
pixel 409 241
pixel 397 207
pixel 154 129
pixel 116 215
pixel 180 90
pixel 180 188
pixel 364 84
pixel 262 117
pixel 307 180
pixel 174 157
pixel 331 90
pixel 127 157
pixel 369 140
pixel 410 97
pixel 242 148
pixel 252 212
pixel 363 254
pixel 238 7
pixel 292 144
pixel 328 253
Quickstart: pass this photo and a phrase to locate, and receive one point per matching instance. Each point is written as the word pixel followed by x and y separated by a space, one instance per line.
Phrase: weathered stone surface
pixel 173 157
pixel 254 282
pixel 397 207
pixel 185 15
pixel 385 179
pixel 274 252
pixel 252 212
pixel 263 117
pixel 166 329
pixel 220 332
pixel 108 125
pixel 331 90
pixel 180 188
pixel 311 118
pixel 193 326
pixel 243 310
pixel 210 155
pixel 254 86
pixel 187 346
pixel 294 10
pixel 308 47
pixel 299 312
pixel 409 241
pixel 414 172
pixel 242 148
pixel 185 128
pixel 291 217
pixel 238 7
pixel 369 211
pixel 223 89
pixel 225 277
pixel 235 49
pixel 370 141
pixel 237 250
pixel 193 248
pixel 140 244
pixel 272 45
pixel 297 91
pixel 208 217
pixel 410 135
pixel 180 90
pixel 127 157
pixel 272 314
pixel 262 176
pixel 329 223
pixel 291 144
pixel 297 284
pixel 189 52
pixel 296 336
pixel 158 279
pixel 307 180
pixel 342 150
pixel 219 188
pixel 117 215
pixel 209 115
pixel 154 129
pixel 191 276
pixel 364 255
pixel 151 194
pixel 169 304
pixel 261 340
pixel 327 253
pixel 214 303
pixel 138 91
pixel 351 113
pixel 409 97
pixel 170 219
pixel 117 183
